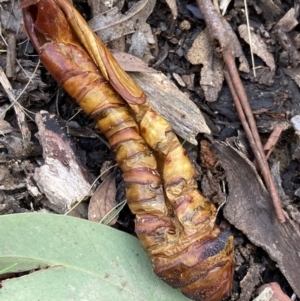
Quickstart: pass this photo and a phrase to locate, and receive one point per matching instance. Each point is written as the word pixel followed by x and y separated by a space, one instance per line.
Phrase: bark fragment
pixel 61 178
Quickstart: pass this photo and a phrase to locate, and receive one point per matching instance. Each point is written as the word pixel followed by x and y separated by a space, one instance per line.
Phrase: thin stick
pixel 270 144
pixel 219 34
pixel 273 138
pixel 241 114
pixel 250 38
pixel 11 56
pixel 242 103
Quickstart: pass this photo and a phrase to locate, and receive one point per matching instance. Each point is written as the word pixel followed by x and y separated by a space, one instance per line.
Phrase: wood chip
pixel 271 292
pixel 288 22
pixel 178 79
pixel 62 178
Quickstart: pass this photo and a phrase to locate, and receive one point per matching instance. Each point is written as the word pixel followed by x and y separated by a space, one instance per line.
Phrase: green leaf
pixel 74 259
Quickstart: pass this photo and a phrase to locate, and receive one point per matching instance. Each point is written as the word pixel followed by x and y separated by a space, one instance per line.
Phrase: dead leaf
pixel 202 52
pixel 173 6
pixel 289 55
pixel 166 99
pixel 103 200
pixel 212 76
pixel 140 40
pixel 236 47
pixel 258 46
pixel 22 121
pixel 14 145
pixel 112 24
pixel 207 155
pixel 10 180
pixel 223 6
pixel 249 209
pixel 5 127
pixel 131 63
pixel 3 110
pixel 178 79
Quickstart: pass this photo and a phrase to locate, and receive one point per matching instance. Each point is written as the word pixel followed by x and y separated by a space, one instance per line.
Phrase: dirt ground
pixel 163 36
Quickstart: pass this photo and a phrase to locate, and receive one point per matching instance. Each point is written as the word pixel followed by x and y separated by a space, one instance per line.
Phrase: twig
pixel 259 155
pixel 250 38
pixel 270 144
pixel 219 34
pixel 11 56
pixel 26 134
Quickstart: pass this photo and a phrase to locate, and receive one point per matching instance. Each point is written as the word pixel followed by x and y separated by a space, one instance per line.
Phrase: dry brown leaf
pixel 173 6
pixel 140 40
pixel 271 10
pixel 10 180
pixel 131 63
pixel 212 72
pixel 212 76
pixel 236 47
pixel 223 6
pixel 166 99
pixel 258 46
pixel 22 121
pixel 3 110
pixel 113 25
pixel 103 200
pixel 5 127
pixel 249 209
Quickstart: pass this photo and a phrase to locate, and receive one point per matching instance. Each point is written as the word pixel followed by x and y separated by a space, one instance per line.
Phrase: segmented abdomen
pixel 174 222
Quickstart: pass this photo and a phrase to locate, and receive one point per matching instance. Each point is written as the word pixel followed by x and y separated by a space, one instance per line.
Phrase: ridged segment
pixel 184 266
pixel 174 221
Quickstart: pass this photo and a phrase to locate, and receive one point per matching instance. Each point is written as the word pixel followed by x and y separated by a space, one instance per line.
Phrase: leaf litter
pixel 284 35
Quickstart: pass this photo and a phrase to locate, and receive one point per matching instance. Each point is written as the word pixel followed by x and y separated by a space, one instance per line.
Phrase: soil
pixel 273 94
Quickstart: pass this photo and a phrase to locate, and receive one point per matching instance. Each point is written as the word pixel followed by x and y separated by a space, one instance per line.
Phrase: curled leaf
pixel 112 24
pixel 103 200
pixel 212 76
pixel 258 46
